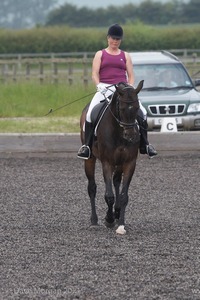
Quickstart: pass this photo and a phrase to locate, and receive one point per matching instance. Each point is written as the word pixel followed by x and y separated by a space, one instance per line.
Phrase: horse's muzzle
pixel 131 134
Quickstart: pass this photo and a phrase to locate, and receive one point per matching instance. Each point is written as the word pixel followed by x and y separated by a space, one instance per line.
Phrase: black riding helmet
pixel 115 31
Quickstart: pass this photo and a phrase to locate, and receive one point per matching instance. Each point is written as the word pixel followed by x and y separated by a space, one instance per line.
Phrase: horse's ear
pixel 119 87
pixel 140 86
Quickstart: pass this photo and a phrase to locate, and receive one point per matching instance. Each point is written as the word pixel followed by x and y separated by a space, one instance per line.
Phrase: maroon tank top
pixel 113 68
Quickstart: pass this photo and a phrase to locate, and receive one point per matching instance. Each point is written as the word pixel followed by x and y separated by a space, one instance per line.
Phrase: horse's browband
pixel 128 101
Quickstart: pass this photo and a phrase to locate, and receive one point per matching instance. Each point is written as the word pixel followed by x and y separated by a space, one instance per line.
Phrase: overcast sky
pixel 105 3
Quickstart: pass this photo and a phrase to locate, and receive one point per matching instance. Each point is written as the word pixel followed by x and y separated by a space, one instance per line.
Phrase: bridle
pixel 121 123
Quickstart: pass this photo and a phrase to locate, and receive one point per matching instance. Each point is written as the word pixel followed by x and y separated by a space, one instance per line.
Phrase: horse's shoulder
pixel 85 109
pixel 83 114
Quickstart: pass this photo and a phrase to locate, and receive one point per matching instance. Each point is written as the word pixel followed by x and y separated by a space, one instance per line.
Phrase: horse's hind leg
pixel 90 173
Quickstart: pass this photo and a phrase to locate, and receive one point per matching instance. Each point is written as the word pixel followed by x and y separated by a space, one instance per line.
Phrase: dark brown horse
pixel 116 146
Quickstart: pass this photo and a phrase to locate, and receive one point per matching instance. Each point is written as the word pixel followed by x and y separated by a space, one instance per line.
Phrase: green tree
pixel 83 17
pixel 191 11
pixel 62 15
pixel 69 14
pixel 24 13
pixel 129 13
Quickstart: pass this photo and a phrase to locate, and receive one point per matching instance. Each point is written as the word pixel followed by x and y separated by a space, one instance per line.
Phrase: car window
pixel 162 75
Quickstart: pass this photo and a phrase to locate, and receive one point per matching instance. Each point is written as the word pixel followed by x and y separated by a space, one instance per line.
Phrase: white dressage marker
pixel 168 125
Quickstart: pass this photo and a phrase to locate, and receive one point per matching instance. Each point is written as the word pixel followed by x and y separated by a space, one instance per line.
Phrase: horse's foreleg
pixel 109 195
pixel 123 201
pixel 90 173
pixel 123 197
pixel 117 181
pixel 110 199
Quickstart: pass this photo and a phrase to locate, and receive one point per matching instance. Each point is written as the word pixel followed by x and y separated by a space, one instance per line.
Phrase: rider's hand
pixel 101 87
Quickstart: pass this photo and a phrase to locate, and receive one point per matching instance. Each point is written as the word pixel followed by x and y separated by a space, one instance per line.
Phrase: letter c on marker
pixel 168 126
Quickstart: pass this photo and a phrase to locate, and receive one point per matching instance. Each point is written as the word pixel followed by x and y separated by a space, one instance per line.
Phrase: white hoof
pixel 121 230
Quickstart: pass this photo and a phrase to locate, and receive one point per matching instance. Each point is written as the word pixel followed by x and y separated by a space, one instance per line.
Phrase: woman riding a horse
pixel 111 66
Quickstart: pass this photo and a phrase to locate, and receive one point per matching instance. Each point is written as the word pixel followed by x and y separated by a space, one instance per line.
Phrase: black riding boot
pixel 85 152
pixel 145 147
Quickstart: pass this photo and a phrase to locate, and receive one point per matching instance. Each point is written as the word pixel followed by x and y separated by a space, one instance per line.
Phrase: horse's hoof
pixel 121 230
pixel 109 225
pixel 94 226
pixel 94 221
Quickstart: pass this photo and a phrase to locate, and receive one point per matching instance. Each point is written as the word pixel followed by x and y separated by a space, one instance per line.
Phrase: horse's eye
pixel 130 107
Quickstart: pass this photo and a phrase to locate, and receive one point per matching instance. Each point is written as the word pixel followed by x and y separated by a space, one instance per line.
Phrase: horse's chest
pixel 122 153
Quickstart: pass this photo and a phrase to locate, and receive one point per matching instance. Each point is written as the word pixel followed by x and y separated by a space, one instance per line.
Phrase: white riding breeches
pixel 98 97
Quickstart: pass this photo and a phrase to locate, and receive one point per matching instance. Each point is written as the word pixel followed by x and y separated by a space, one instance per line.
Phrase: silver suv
pixel 168 90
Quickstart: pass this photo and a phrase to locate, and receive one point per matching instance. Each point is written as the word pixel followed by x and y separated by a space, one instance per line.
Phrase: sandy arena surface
pixel 49 250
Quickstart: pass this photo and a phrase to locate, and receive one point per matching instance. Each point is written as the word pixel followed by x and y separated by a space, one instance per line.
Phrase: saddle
pixel 97 114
